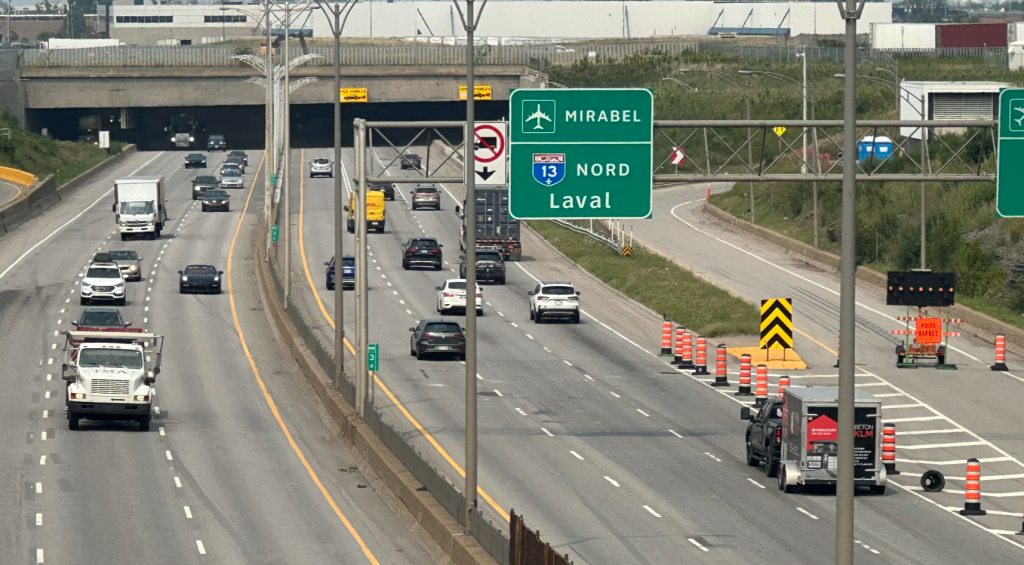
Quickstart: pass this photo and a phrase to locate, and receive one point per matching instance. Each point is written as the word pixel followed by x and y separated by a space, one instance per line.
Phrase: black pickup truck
pixel 764 435
pixel 489 266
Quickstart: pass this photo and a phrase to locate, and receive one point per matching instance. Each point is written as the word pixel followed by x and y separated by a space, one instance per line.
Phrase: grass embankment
pixel 42 156
pixel 657 283
pixel 964 235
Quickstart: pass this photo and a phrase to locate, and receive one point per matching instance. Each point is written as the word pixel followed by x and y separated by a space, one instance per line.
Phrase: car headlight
pixel 184 278
pixel 172 139
pixel 216 279
pixel 139 397
pixel 190 138
pixel 77 396
pixel 86 286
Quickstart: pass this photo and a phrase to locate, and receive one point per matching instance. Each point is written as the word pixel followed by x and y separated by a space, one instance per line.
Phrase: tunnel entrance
pixel 243 126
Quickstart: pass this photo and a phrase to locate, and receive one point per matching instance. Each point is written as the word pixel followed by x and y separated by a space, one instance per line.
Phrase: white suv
pixel 321 167
pixel 452 296
pixel 103 281
pixel 553 299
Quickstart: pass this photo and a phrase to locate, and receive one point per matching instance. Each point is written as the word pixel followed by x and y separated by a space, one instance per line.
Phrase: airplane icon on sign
pixel 538 115
pixel 1021 118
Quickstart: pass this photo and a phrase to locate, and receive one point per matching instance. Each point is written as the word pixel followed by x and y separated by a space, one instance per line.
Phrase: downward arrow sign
pixel 485 174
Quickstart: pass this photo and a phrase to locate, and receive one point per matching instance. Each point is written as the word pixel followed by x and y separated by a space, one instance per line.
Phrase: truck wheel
pixel 782 481
pixel 72 422
pixel 752 461
pixel 501 280
pixel 124 237
pixel 576 318
pixel 771 466
pixel 877 489
pixel 144 423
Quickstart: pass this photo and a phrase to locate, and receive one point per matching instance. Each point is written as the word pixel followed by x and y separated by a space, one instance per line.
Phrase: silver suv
pixel 426 195
pixel 321 167
pixel 102 281
pixel 555 299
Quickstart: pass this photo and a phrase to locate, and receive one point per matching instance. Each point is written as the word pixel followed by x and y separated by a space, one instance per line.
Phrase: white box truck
pixel 110 375
pixel 140 206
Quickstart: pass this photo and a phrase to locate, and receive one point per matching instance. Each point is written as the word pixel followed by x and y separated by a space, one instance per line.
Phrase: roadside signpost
pixel 352 95
pixel 273 232
pixel 372 357
pixel 1010 155
pixel 480 92
pixel 581 153
pixel 489 152
pixel 678 156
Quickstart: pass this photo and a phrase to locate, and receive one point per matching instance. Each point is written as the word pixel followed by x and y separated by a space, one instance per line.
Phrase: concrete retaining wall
pixel 45 194
pixel 976 323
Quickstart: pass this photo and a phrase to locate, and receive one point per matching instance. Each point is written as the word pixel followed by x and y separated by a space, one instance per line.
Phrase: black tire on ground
pixel 531 313
pixel 462 357
pixel 418 355
pixel 480 312
pixel 877 489
pixel 412 352
pixel 124 237
pixel 405 265
pixel 576 318
pixel 501 280
pixel 122 302
pixel 72 422
pixel 181 289
pixel 330 286
pixel 771 466
pixel 752 461
pixel 144 423
pixel 438 267
pixel 83 301
pixel 536 317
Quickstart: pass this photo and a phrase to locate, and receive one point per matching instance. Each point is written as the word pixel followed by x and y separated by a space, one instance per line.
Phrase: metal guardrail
pixel 425 54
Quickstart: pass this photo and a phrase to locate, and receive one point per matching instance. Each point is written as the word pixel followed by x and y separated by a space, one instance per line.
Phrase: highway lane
pixel 580 427
pixel 218 477
pixel 945 417
pixel 9 191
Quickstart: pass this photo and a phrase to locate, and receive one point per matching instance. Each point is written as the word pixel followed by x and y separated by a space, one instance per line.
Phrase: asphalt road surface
pixel 8 191
pixel 615 456
pixel 238 468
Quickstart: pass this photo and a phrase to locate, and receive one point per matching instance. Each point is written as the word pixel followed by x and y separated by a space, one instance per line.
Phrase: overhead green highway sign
pixel 580 153
pixel 1010 155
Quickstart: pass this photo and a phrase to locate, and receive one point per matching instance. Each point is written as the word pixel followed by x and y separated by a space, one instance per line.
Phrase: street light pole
pixel 269 135
pixel 803 163
pixel 286 185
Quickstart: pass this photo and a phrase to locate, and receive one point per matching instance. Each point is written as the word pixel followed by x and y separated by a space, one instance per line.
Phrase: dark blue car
pixel 348 272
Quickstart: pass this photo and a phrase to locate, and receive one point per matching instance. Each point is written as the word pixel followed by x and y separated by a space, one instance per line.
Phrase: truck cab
pixel 110 375
pixel 140 206
pixel 764 435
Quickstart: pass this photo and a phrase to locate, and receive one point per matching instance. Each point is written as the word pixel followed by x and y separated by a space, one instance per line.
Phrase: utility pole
pixel 469 23
pixel 847 295
pixel 286 185
pixel 362 305
pixel 269 135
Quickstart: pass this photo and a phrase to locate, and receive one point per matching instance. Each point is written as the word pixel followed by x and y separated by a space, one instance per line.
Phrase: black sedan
pixel 197 160
pixel 215 200
pixel 242 155
pixel 388 188
pixel 437 337
pixel 199 278
pixel 100 318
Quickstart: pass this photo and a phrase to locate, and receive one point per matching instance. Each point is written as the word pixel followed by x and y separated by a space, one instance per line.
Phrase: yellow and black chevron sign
pixel 777 323
pixel 627 250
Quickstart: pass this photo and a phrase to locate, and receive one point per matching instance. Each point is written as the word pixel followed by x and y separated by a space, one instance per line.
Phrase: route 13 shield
pixel 548 168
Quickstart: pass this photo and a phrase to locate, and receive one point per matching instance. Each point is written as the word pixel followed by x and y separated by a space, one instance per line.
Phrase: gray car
pixel 203 183
pixel 231 177
pixel 437 337
pixel 129 262
pixel 426 195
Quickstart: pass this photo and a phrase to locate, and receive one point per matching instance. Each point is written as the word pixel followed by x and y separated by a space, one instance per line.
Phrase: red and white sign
pixel 489 155
pixel 678 156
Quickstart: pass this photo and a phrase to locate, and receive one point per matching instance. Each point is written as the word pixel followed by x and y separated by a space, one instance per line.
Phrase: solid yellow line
pixel 339 295
pixel 263 387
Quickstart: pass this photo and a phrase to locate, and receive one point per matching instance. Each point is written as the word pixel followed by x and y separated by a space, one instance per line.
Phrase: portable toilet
pixel 881 146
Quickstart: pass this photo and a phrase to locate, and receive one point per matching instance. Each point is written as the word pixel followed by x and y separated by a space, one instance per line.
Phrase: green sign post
pixel 580 153
pixel 1010 155
pixel 273 232
pixel 372 357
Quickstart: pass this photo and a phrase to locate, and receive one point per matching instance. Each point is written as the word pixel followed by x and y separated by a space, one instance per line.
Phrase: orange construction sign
pixel 928 330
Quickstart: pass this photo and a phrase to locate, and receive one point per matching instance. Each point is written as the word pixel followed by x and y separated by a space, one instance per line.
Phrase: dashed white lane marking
pixel 150 289
pixel 642 412
pixel 188 513
pixel 49 377
pixel 888 395
pixel 162 432
pixel 498 392
pixel 145 320
pixel 514 325
pixel 46 394
pixel 755 483
pixel 697 543
pixel 612 481
pixel 42 460
pixel 563 361
pixel 147 299
pixel 529 336
pixel 395 292
pixel 548 350
pixel 169 456
pixel 146 309
pixel 39 518
pixel 500 314
pixel 389 283
pixel 651 510
pixel 712 456
pixel 67 299
pixel 811 516
pixel 62 310
pixel 520 410
pixel 199 543
pixel 42 436
pixel 613 394
pixel 895 406
pixel 39 488
pixel 409 312
pixel 46 413
pixel 39 556
pixel 53 346
pixel 673 432
pixel 157 410
pixel 49 361
pixel 577 456
pixel 402 302
pixel 589 378
pixel 177 482
pixel 918 419
pixel 545 430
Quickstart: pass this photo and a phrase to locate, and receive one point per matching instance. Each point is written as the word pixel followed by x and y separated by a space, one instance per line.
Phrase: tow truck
pixel 110 375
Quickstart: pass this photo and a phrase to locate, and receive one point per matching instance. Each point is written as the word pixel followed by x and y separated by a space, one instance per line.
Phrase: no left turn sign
pixel 489 143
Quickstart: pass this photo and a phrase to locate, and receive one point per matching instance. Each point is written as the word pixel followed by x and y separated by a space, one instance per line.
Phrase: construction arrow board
pixel 489 153
pixel 777 323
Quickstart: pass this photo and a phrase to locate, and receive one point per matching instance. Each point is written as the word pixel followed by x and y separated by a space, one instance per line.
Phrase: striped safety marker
pixel 687 361
pixel 744 376
pixel 972 490
pixel 666 339
pixel 761 391
pixel 702 357
pixel 721 367
pixel 889 449
pixel 1000 354
pixel 677 346
pixel 783 385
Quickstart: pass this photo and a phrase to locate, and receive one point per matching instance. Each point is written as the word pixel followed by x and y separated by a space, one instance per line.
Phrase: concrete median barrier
pixel 976 323
pixel 44 194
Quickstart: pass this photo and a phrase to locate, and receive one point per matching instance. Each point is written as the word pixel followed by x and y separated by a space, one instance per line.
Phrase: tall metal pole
pixel 750 161
pixel 847 298
pixel 362 324
pixel 286 185
pixel 470 258
pixel 339 218
pixel 927 166
pixel 817 171
pixel 803 163
pixel 269 143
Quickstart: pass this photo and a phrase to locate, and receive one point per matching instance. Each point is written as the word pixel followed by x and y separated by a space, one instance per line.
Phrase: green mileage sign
pixel 580 153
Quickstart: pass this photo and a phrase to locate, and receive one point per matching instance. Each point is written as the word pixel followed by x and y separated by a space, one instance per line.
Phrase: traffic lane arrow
pixel 485 174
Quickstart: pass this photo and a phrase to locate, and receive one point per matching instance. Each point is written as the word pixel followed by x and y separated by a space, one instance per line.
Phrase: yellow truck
pixel 374 211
